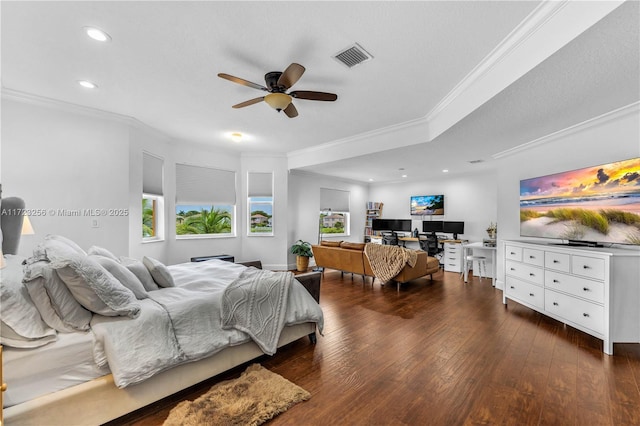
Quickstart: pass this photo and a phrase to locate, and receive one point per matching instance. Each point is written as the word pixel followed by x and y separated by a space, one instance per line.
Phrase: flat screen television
pixel 427 205
pixel 590 206
pixel 454 228
pixel 402 225
pixel 432 226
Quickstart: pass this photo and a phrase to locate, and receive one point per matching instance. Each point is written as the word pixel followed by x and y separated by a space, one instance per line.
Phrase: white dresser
pixel 452 257
pixel 596 290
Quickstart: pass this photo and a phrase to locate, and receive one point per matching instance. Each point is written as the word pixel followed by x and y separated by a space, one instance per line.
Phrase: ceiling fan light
pixel 278 101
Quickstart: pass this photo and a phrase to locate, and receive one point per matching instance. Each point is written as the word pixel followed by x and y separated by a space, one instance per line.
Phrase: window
pixel 152 197
pixel 260 203
pixel 334 214
pixel 205 202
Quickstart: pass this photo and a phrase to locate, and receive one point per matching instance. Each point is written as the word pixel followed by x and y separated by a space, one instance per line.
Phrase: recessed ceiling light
pixel 87 84
pixel 236 137
pixel 370 180
pixel 445 171
pixel 97 34
pixel 404 176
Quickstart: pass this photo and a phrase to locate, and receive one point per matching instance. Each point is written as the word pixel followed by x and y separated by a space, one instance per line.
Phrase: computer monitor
pixel 432 226
pixel 454 228
pixel 403 225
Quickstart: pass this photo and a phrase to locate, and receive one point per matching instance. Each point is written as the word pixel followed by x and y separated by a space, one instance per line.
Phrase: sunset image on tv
pixel 595 204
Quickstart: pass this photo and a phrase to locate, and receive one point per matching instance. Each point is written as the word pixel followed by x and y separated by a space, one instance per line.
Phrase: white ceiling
pixel 160 68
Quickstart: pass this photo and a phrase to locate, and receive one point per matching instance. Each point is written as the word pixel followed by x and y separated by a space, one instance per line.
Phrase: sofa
pixel 349 257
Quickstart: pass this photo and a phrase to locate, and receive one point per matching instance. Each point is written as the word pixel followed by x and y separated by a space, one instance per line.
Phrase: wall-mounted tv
pixel 402 225
pixel 593 205
pixel 427 205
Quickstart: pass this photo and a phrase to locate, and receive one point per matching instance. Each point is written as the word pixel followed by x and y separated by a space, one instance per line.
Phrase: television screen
pixel 432 226
pixel 599 204
pixel 391 225
pixel 454 228
pixel 427 205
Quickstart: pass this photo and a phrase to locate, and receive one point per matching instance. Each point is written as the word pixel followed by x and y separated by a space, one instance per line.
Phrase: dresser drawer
pixel 526 292
pixel 587 289
pixel 513 253
pixel 557 261
pixel 590 267
pixel 525 272
pixel 453 248
pixel 581 312
pixel 533 257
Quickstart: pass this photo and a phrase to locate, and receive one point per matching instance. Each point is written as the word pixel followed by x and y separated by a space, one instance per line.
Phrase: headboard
pixel 11 223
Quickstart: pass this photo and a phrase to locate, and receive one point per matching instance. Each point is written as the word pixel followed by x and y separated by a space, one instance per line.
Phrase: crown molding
pixel 301 172
pixel 600 120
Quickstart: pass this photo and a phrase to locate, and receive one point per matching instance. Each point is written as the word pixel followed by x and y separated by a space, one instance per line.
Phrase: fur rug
pixel 387 261
pixel 255 397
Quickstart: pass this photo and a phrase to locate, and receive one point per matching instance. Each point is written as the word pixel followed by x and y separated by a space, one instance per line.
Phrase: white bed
pixel 68 381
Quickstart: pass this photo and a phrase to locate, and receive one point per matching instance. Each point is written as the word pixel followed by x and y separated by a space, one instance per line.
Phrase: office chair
pixel 390 239
pixel 431 245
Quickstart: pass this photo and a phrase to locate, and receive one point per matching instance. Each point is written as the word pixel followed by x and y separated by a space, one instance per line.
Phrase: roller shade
pixel 204 185
pixel 334 199
pixel 260 184
pixel 152 168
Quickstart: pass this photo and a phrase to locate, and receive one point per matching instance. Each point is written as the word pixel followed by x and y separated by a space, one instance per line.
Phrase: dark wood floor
pixel 445 353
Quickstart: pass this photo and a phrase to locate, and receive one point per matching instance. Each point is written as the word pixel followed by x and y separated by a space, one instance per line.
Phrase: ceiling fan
pixel 277 84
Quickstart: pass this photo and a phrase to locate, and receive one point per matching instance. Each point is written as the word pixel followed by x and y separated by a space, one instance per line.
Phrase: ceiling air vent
pixel 475 161
pixel 352 56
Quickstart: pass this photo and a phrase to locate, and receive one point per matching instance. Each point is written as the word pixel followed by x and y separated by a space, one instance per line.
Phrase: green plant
pixel 301 248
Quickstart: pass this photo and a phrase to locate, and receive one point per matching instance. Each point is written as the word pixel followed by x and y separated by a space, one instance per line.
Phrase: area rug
pixel 255 397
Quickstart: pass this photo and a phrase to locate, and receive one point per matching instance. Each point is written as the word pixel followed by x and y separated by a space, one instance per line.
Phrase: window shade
pixel 260 184
pixel 152 167
pixel 334 199
pixel 204 185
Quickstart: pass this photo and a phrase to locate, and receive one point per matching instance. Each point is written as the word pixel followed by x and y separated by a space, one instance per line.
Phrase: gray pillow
pixel 57 306
pixel 22 325
pixel 122 274
pixel 101 251
pixel 140 271
pixel 159 272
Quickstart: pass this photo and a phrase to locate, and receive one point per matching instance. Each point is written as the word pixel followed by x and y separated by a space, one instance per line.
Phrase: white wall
pixel 304 207
pixel 469 198
pixel 66 159
pixel 610 138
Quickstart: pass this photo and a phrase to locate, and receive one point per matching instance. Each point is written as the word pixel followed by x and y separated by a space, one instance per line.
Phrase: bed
pixel 179 325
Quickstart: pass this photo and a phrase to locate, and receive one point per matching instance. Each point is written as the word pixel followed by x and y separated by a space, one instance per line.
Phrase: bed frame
pixel 99 400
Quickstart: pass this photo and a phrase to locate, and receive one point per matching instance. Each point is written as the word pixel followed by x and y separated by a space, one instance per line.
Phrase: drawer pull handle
pixel 512 269
pixel 531 294
pixel 586 289
pixel 586 267
pixel 555 303
pixel 531 274
pixel 556 281
pixel 512 286
pixel 532 257
pixel 513 252
pixel 556 261
pixel 585 315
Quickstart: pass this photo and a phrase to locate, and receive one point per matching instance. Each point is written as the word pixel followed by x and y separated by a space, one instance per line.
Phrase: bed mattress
pixel 30 373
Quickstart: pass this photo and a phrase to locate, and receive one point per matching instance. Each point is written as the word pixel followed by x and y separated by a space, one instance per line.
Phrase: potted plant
pixel 302 250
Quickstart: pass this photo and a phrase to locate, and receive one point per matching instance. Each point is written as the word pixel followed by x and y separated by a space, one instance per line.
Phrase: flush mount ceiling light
pixel 97 34
pixel 87 84
pixel 278 101
pixel 445 171
pixel 236 137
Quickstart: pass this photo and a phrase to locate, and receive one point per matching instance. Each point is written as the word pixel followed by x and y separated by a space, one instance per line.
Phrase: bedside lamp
pixel 27 229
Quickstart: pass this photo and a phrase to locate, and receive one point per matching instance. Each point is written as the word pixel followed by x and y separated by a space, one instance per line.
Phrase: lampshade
pixel 278 101
pixel 27 229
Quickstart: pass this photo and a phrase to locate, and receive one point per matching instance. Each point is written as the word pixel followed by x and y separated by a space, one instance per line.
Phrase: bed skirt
pixel 99 400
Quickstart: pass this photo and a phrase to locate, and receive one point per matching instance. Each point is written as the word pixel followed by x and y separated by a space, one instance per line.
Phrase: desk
pixel 484 249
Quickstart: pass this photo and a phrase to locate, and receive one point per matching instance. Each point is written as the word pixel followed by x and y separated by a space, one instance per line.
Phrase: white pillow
pixel 22 324
pixel 101 251
pixel 57 306
pixel 65 240
pixel 159 272
pixel 140 271
pixel 122 274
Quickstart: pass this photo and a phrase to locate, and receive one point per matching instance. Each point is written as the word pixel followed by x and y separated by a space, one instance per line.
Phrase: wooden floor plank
pixel 443 352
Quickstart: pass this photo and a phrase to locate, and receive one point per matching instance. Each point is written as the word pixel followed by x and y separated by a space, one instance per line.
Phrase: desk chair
pixel 467 263
pixel 431 245
pixel 390 239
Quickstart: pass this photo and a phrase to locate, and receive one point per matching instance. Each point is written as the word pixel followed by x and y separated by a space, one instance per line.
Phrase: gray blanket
pixel 255 303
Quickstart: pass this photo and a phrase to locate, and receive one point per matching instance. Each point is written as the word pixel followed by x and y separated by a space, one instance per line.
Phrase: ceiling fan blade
pixel 291 75
pixel 242 81
pixel 291 111
pixel 313 96
pixel 249 102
